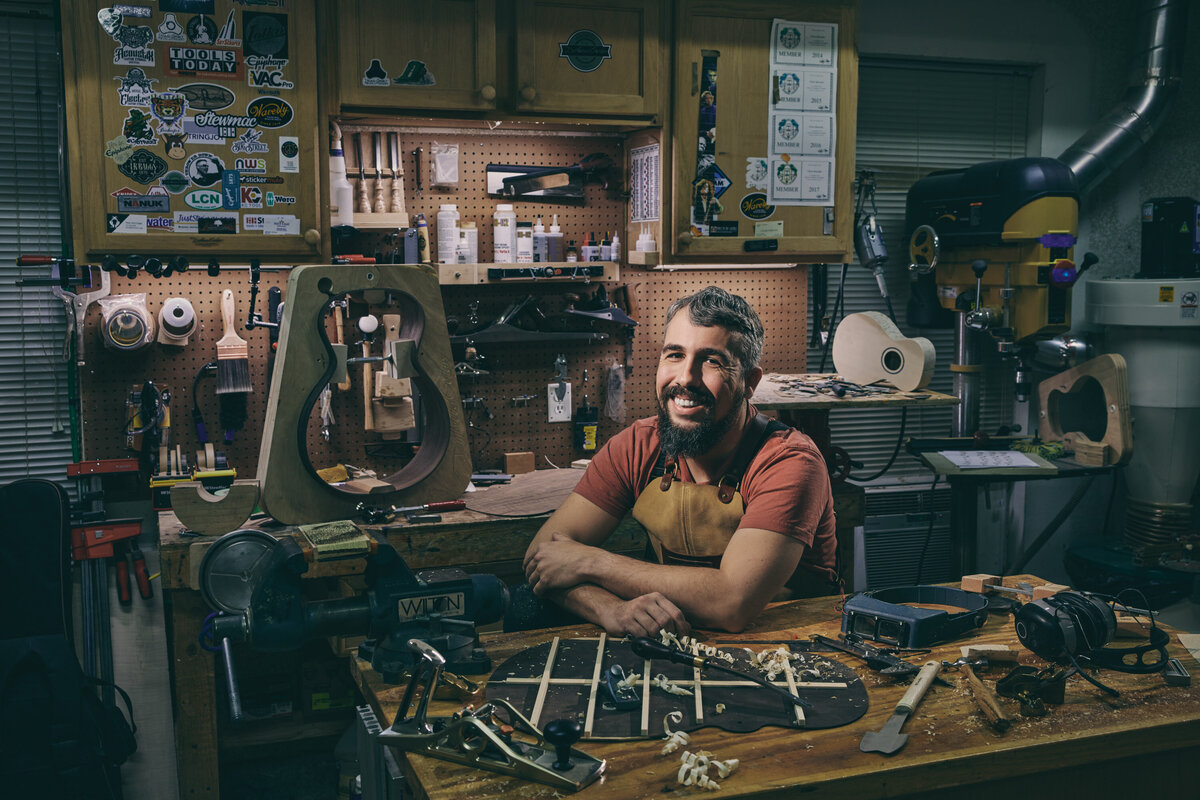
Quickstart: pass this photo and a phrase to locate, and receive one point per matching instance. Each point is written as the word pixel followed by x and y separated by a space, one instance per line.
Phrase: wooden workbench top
pixel 782 393
pixel 949 745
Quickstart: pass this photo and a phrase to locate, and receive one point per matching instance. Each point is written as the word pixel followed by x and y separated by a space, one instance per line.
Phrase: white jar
pixel 504 235
pixel 447 233
pixel 468 231
pixel 524 242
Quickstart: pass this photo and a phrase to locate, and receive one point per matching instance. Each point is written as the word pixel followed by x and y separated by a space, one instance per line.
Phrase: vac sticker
pixel 585 50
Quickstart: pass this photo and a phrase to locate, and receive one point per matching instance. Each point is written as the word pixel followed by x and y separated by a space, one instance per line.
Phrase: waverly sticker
pixel 270 112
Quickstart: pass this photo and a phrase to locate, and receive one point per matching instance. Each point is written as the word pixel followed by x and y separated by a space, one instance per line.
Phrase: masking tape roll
pixel 126 329
pixel 176 321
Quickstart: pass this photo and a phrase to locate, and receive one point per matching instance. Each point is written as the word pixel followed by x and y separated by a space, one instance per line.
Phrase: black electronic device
pixel 1170 241
pixel 883 616
pixel 760 245
pixel 1074 627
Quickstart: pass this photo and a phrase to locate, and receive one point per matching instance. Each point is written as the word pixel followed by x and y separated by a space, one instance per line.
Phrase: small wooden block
pixel 368 486
pixel 979 583
pixel 1092 454
pixel 210 515
pixel 519 463
pixel 1047 589
pixel 393 415
pixel 994 653
pixel 389 388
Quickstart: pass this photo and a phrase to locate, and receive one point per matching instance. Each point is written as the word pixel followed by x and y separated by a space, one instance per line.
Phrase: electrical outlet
pixel 560 410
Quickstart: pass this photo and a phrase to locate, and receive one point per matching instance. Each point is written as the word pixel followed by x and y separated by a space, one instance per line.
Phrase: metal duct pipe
pixel 1157 68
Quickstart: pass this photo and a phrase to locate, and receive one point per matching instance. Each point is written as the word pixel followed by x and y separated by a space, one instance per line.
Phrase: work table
pixel 1149 736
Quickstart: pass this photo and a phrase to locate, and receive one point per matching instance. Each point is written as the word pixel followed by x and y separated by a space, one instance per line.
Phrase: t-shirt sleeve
pixel 608 481
pixel 787 491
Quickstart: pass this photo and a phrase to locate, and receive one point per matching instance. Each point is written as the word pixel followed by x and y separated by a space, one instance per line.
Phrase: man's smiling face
pixel 700 387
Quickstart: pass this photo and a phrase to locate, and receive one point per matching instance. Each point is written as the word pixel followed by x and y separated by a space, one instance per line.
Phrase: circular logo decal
pixel 203 169
pixel 289 149
pixel 174 182
pixel 270 112
pixel 584 50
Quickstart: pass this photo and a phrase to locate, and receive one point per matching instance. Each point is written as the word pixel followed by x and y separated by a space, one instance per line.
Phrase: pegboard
pixel 779 296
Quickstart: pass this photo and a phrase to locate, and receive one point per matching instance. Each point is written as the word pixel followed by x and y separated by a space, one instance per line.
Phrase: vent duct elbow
pixel 1130 124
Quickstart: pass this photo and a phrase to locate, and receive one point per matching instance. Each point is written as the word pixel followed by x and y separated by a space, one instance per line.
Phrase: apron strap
pixel 760 427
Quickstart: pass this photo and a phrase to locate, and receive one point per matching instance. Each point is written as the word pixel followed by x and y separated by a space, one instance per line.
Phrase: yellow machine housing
pixel 1021 218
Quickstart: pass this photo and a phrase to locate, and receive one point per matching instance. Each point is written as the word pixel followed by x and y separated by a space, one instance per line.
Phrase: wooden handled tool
pixel 987 701
pixel 889 740
pixel 380 204
pixel 397 171
pixel 364 202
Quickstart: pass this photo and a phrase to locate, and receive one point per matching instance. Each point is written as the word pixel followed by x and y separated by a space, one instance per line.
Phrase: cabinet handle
pixel 695 78
pixel 487 92
pixel 312 236
pixel 528 93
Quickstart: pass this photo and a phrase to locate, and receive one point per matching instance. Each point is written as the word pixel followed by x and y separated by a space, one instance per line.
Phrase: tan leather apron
pixel 691 524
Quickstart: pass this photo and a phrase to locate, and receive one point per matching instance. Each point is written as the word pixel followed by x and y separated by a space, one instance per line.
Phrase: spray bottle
pixel 341 191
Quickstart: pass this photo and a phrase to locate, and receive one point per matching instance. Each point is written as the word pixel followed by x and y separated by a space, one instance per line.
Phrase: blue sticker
pixel 231 190
pixel 585 50
pixel 720 181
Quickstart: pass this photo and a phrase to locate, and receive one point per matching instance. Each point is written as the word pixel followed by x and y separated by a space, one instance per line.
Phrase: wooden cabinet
pixel 192 134
pixel 592 58
pixel 749 143
pixel 416 55
pixel 588 57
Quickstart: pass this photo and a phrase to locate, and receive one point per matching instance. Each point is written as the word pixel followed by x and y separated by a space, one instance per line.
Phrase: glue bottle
pixel 447 232
pixel 541 244
pixel 615 254
pixel 423 240
pixel 504 235
pixel 554 242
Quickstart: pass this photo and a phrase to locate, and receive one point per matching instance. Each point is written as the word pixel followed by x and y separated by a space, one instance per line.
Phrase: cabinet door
pixel 413 55
pixel 192 134
pixel 589 57
pixel 748 144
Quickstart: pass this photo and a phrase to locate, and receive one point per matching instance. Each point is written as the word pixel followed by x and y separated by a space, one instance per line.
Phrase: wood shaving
pixel 662 682
pixel 693 769
pixel 675 739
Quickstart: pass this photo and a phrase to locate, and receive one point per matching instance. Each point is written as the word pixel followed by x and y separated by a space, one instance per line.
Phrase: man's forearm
pixel 586 600
pixel 705 595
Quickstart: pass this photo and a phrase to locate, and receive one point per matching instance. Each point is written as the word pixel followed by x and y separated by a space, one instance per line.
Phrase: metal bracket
pixel 481 738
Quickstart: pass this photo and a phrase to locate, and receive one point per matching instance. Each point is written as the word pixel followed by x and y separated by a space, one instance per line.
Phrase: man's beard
pixel 697 439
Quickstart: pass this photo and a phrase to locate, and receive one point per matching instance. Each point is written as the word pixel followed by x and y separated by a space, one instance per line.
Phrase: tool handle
pixel 987 701
pixel 143 576
pixel 364 202
pixel 123 580
pixel 380 203
pixel 645 647
pixel 228 308
pixel 397 206
pixel 919 686
pixel 447 505
pixel 34 261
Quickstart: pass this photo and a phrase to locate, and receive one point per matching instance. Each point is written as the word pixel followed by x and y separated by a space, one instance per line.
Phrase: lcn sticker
pixel 289 154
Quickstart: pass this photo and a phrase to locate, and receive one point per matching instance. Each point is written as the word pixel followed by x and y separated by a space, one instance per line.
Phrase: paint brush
pixel 233 354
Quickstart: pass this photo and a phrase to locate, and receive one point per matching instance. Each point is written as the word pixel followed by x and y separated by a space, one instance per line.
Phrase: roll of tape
pixel 176 321
pixel 126 329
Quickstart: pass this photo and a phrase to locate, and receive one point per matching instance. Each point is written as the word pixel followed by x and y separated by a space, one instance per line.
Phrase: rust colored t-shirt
pixel 785 488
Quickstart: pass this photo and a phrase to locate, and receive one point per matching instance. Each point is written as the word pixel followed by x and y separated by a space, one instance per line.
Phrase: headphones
pixel 1073 626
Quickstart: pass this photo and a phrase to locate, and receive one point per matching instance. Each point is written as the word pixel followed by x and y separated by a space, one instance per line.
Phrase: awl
pixel 374 514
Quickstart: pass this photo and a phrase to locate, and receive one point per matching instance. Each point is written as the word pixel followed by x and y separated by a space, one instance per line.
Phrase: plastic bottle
pixel 572 254
pixel 525 242
pixel 591 250
pixel 541 244
pixel 554 242
pixel 447 233
pixel 615 255
pixel 468 231
pixel 423 240
pixel 605 248
pixel 462 250
pixel 341 191
pixel 504 235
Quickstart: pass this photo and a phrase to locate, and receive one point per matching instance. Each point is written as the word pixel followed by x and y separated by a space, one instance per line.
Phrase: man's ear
pixel 752 379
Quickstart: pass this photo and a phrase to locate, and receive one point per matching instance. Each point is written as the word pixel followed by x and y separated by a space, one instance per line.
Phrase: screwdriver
pixel 649 649
pixel 374 515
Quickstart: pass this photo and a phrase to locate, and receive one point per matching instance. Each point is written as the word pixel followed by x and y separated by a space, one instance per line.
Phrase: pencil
pixel 233 354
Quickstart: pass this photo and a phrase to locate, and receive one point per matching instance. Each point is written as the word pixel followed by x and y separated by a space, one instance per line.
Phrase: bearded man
pixel 737 507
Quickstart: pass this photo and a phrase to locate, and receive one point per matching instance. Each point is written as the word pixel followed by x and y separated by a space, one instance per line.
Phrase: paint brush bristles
pixel 233 354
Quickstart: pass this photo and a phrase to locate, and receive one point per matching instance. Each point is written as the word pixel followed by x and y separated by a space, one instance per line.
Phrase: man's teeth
pixel 685 403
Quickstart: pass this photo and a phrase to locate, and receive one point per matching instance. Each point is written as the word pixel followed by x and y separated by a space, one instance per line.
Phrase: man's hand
pixel 644 616
pixel 558 563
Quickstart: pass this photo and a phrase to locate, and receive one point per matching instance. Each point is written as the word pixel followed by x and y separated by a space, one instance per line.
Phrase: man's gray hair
pixel 713 306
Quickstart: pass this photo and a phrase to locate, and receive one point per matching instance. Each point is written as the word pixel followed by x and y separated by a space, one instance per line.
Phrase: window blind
pixel 35 430
pixel 915 117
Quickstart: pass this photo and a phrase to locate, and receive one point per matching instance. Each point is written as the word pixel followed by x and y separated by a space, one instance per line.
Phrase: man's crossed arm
pixel 624 595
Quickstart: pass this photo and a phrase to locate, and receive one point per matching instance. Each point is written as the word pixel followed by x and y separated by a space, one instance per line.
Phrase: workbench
pixel 476 542
pixel 1147 739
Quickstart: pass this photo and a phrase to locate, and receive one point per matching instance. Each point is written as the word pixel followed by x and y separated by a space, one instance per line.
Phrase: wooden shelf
pixel 280 730
pixel 556 271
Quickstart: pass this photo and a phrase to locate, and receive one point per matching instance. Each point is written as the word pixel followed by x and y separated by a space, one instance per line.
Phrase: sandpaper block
pixel 334 540
pixel 994 653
